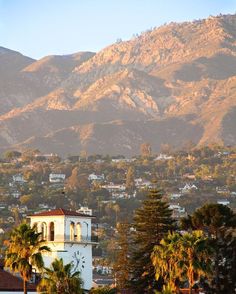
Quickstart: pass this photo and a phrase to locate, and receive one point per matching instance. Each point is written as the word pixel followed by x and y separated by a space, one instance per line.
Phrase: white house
pixel 56 178
pixel 162 156
pixel 85 210
pixel 223 202
pixel 94 177
pixel 18 178
pixel 188 187
pixel 114 187
pixel 68 234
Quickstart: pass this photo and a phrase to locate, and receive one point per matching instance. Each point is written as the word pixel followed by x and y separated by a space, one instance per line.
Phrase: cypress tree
pixel 152 221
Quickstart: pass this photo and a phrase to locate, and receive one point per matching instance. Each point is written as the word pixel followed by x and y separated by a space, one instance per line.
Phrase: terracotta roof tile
pixel 61 211
pixel 8 282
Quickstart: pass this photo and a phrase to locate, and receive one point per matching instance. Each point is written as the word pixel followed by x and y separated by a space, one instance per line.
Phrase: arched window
pixel 78 231
pixel 44 231
pixel 72 231
pixel 51 231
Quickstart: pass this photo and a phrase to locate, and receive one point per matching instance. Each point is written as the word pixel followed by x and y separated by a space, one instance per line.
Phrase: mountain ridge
pixel 177 73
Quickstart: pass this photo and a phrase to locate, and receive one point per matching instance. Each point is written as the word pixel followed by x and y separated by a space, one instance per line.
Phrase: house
pixel 94 177
pixel 114 187
pixel 162 156
pixel 223 202
pixel 68 234
pixel 85 210
pixel 18 179
pixel 57 178
pixel 175 196
pixel 188 187
pixel 222 190
pixel 177 207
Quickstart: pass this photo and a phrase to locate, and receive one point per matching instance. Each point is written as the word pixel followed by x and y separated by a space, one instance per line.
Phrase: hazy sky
pixel 41 27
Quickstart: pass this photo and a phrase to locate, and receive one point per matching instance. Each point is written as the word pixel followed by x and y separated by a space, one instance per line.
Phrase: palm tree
pixel 165 260
pixel 181 257
pixel 24 252
pixel 195 255
pixel 60 279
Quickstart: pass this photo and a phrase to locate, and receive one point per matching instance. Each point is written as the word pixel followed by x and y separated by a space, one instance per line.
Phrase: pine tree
pixel 151 223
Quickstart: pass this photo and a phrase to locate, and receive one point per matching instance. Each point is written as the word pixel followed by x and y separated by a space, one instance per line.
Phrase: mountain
pixel 171 84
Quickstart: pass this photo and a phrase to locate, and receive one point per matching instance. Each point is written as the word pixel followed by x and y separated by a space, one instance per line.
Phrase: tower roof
pixel 61 211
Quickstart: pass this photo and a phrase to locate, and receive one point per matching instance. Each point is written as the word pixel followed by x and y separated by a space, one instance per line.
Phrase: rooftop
pixel 8 283
pixel 61 211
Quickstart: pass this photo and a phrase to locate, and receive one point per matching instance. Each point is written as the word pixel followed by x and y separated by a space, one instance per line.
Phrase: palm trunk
pixel 25 286
pixel 190 281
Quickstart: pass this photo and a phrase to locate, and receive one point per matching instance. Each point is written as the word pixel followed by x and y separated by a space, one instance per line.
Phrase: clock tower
pixel 68 234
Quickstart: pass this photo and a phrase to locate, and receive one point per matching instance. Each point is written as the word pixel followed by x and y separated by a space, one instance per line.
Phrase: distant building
pixel 18 178
pixel 188 187
pixel 57 178
pixel 85 210
pixel 223 202
pixel 162 156
pixel 114 188
pixel 94 177
pixel 175 196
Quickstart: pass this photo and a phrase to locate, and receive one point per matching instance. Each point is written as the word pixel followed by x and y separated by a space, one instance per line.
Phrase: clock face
pixel 78 261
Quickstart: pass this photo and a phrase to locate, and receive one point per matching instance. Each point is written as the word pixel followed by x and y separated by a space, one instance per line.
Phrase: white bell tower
pixel 68 234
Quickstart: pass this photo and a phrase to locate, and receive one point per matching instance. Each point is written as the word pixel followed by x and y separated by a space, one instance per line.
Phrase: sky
pixel 37 28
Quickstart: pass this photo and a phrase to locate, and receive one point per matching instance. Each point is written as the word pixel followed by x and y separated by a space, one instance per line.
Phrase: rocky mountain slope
pixel 171 84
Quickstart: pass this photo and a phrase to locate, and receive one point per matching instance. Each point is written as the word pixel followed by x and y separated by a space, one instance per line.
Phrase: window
pixel 51 231
pixel 72 231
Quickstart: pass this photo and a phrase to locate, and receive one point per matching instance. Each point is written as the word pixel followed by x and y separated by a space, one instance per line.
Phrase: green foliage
pixel 219 223
pixel 103 290
pixel 24 251
pixel 60 279
pixel 151 222
pixel 182 257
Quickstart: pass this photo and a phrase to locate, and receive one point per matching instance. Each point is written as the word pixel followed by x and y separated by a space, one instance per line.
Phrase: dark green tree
pixel 152 221
pixel 219 223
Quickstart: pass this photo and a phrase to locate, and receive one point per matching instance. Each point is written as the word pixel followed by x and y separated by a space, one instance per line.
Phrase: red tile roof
pixel 8 283
pixel 61 211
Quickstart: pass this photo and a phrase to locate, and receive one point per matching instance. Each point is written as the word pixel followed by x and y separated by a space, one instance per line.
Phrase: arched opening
pixel 44 231
pixel 51 231
pixel 35 226
pixel 72 231
pixel 78 231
